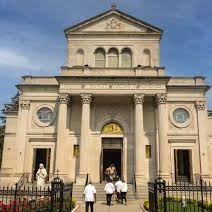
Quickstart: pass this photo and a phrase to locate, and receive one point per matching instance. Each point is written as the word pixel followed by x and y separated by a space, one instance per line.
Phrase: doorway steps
pixel 183 178
pixel 100 193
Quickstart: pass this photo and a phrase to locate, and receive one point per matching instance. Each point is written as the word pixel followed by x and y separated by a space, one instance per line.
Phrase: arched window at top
pixel 100 58
pixel 113 58
pixel 146 58
pixel 80 57
pixel 126 58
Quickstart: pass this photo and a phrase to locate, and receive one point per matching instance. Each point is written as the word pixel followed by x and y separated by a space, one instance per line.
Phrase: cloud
pixel 9 57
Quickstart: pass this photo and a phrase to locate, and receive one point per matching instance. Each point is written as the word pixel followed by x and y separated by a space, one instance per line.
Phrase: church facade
pixel 111 103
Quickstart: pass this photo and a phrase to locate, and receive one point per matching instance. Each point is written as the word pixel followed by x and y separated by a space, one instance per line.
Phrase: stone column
pixel 203 138
pixel 162 118
pixel 21 138
pixel 84 138
pixel 61 145
pixel 139 147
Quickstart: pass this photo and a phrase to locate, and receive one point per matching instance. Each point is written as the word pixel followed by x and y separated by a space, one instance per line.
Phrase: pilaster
pixel 62 133
pixel 84 138
pixel 21 136
pixel 162 113
pixel 203 137
pixel 139 147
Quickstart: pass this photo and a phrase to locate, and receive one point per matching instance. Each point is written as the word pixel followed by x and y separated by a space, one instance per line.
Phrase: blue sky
pixel 32 40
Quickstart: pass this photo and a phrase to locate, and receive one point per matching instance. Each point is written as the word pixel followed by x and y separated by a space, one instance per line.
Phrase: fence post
pixel 156 196
pixel 201 188
pixel 71 196
pixel 15 197
pixel 164 195
pixel 61 196
pixel 52 196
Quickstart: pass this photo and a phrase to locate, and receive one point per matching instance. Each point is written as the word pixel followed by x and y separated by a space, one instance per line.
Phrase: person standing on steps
pixel 109 189
pixel 118 186
pixel 124 189
pixel 89 196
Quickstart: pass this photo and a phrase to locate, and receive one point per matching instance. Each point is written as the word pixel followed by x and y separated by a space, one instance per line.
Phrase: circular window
pixel 44 115
pixel 180 116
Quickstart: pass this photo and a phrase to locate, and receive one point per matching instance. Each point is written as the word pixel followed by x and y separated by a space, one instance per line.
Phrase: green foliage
pixel 146 204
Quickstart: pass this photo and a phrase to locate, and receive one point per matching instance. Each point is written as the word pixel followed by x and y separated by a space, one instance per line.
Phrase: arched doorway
pixel 112 148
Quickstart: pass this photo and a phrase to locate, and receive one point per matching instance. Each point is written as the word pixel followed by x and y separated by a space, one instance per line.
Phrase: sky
pixel 32 41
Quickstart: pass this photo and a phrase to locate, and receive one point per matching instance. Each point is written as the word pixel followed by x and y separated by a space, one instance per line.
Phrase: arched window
pixel 126 58
pixel 100 58
pixel 146 58
pixel 80 57
pixel 113 58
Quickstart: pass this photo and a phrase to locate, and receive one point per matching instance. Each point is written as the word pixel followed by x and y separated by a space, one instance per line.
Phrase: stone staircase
pixel 100 193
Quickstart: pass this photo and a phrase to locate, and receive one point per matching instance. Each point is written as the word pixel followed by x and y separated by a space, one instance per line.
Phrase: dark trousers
pixel 109 196
pixel 87 206
pixel 118 195
pixel 123 197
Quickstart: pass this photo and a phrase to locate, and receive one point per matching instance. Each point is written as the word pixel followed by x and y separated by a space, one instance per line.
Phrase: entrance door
pixel 112 156
pixel 183 165
pixel 41 156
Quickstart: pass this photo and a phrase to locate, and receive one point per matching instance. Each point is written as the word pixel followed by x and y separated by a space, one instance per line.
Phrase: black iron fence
pixel 56 197
pixel 182 196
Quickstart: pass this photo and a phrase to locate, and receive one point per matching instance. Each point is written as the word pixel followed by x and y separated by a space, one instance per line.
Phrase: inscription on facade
pixel 114 86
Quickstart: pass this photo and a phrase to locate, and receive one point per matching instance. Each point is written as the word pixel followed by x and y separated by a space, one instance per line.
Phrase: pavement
pixel 132 206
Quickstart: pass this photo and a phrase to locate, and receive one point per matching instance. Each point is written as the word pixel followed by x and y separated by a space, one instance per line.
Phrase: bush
pixel 146 204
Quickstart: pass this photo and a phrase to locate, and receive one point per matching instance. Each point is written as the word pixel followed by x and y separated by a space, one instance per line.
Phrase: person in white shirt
pixel 89 196
pixel 109 189
pixel 118 185
pixel 124 189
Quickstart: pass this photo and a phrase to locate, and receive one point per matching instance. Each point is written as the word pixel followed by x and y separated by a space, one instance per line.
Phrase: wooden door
pixel 47 165
pixel 190 165
pixel 176 165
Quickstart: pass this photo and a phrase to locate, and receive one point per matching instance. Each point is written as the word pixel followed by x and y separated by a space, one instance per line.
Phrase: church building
pixel 112 103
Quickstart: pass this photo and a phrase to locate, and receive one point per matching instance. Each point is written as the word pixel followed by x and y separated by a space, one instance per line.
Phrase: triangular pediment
pixel 113 21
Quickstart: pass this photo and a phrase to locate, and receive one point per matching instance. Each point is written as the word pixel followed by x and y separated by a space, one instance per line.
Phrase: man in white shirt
pixel 89 196
pixel 118 185
pixel 109 189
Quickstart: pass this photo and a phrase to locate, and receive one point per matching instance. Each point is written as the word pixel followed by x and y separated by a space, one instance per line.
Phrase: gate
pixel 57 194
pixel 157 195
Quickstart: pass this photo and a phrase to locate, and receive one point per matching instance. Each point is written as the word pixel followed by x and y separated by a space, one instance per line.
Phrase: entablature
pixel 112 85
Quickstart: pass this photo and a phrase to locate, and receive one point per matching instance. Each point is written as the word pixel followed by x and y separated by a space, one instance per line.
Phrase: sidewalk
pixel 102 207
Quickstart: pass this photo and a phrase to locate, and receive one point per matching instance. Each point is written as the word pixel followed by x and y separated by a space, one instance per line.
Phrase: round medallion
pixel 44 115
pixel 180 116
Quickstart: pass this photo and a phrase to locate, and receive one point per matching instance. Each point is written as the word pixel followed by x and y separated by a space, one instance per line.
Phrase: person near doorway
pixel 112 171
pixel 106 174
pixel 109 189
pixel 41 176
pixel 89 195
pixel 124 189
pixel 118 186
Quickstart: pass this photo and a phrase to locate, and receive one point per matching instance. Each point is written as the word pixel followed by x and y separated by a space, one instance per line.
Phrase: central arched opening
pixel 112 150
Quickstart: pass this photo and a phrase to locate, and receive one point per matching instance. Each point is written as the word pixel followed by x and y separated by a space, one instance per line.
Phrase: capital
pixel 25 104
pixel 138 98
pixel 86 98
pixel 64 98
pixel 160 99
pixel 200 105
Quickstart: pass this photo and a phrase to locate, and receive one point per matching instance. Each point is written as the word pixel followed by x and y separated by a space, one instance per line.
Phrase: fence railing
pixel 166 196
pixel 24 179
pixel 56 197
